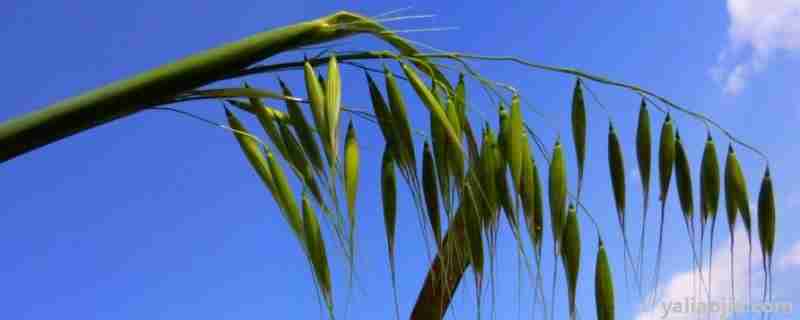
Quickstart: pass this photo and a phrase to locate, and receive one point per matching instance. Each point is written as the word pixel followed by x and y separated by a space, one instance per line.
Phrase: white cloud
pixel 682 285
pixel 685 285
pixel 758 29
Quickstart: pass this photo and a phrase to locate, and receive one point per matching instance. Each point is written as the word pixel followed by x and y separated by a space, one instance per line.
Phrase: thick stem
pixel 126 97
pixel 444 274
pixel 442 279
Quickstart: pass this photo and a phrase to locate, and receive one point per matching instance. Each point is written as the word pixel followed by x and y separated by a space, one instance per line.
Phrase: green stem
pixel 126 97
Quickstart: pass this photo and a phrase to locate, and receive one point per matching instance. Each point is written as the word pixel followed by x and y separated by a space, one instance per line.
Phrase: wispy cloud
pixel 717 277
pixel 758 29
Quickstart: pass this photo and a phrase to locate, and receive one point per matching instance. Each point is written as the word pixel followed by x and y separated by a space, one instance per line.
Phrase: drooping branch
pixel 461 57
pixel 126 97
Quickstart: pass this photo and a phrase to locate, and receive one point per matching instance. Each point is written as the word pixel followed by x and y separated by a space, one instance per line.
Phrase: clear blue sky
pixel 158 216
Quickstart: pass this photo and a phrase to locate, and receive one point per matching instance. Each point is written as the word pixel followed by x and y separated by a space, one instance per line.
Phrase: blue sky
pixel 159 216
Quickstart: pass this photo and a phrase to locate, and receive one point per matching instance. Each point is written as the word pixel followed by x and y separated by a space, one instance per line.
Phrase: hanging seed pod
pixel 504 133
pixel 557 191
pixel 666 160
pixel 709 182
pixel 643 157
pixel 456 158
pixel 295 154
pixel 351 165
pixel 431 192
pixel 454 116
pixel 603 285
pixel 316 251
pixel 766 228
pixel 503 198
pixel 438 140
pixel 474 237
pixel 433 105
pixel 389 197
pixel 643 148
pixel 740 196
pixel 404 149
pixel 683 179
pixel 504 192
pixel 498 175
pixel 486 193
pixel 333 105
pixel 286 197
pixel 251 150
pixel 740 191
pixel 571 256
pixel 709 195
pixel 616 166
pixel 527 193
pixel 709 191
pixel 267 120
pixel 538 211
pixel 316 97
pixel 381 111
pixel 321 80
pixel 527 189
pixel 731 205
pixel 666 157
pixel 579 130
pixel 297 159
pixel 303 129
pixel 461 99
pixel 472 143
pixel 514 144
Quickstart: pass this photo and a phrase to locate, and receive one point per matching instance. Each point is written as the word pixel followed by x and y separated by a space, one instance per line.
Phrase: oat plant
pixel 473 167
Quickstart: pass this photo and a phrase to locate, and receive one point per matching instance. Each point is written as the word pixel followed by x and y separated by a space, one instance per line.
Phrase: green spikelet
pixel 316 252
pixel 766 229
pixel 389 199
pixel 557 191
pixel 351 165
pixel 333 105
pixel 431 192
pixel 571 256
pixel 643 157
pixel 603 285
pixel 666 160
pixel 251 150
pixel 303 129
pixel 709 182
pixel 579 130
pixel 404 147
pixel 316 97
pixel 616 166
pixel 513 143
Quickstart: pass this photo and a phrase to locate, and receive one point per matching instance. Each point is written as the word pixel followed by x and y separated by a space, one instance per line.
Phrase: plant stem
pixel 126 97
